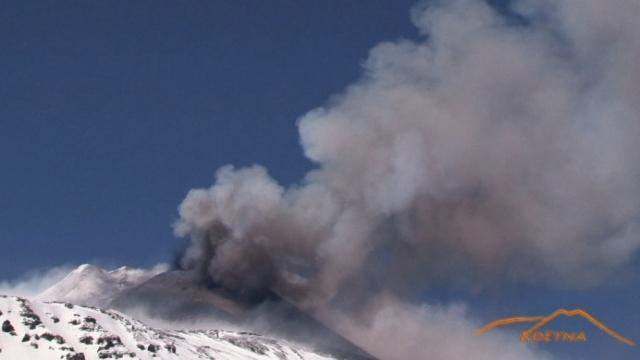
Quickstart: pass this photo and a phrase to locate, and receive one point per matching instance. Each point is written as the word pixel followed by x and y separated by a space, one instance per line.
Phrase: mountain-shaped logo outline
pixel 542 320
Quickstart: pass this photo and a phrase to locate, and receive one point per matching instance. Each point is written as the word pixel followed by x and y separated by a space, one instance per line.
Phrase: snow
pixel 55 330
pixel 165 296
pixel 90 285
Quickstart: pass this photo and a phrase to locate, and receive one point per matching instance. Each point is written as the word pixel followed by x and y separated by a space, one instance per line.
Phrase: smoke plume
pixel 34 282
pixel 494 147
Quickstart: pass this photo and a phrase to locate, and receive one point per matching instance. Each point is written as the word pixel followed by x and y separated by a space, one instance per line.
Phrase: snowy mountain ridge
pixel 42 331
pixel 93 286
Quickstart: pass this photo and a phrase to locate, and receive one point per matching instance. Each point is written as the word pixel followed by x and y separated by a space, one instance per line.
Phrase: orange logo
pixel 535 334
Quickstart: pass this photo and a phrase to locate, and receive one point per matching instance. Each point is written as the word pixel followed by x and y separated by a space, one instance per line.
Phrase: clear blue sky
pixel 112 110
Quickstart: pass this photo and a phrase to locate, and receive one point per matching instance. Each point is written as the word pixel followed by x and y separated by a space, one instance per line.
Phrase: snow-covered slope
pixel 42 331
pixel 90 285
pixel 179 297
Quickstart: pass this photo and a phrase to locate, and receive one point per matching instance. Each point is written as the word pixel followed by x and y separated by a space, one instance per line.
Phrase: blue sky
pixel 112 111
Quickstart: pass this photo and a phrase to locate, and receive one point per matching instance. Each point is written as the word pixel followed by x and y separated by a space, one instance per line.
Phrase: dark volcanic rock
pixel 7 327
pixel 51 337
pixel 76 356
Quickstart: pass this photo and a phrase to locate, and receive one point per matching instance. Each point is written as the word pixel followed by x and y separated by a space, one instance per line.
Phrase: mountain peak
pixel 91 285
pixel 179 295
pixel 87 267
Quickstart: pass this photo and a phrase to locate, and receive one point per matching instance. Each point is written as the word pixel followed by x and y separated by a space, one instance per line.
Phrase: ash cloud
pixel 484 151
pixel 399 331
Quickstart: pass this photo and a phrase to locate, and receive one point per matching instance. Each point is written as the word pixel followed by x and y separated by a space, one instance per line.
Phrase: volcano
pixel 182 296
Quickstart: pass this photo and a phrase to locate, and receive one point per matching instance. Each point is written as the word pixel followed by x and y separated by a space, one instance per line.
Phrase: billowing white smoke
pixel 34 282
pixel 487 149
pixel 400 331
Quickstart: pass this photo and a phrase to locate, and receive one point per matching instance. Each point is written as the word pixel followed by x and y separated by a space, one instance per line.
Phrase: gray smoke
pixel 489 149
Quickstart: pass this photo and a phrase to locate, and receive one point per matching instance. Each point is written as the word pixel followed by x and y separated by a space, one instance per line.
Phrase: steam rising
pixel 486 150
pixel 34 282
